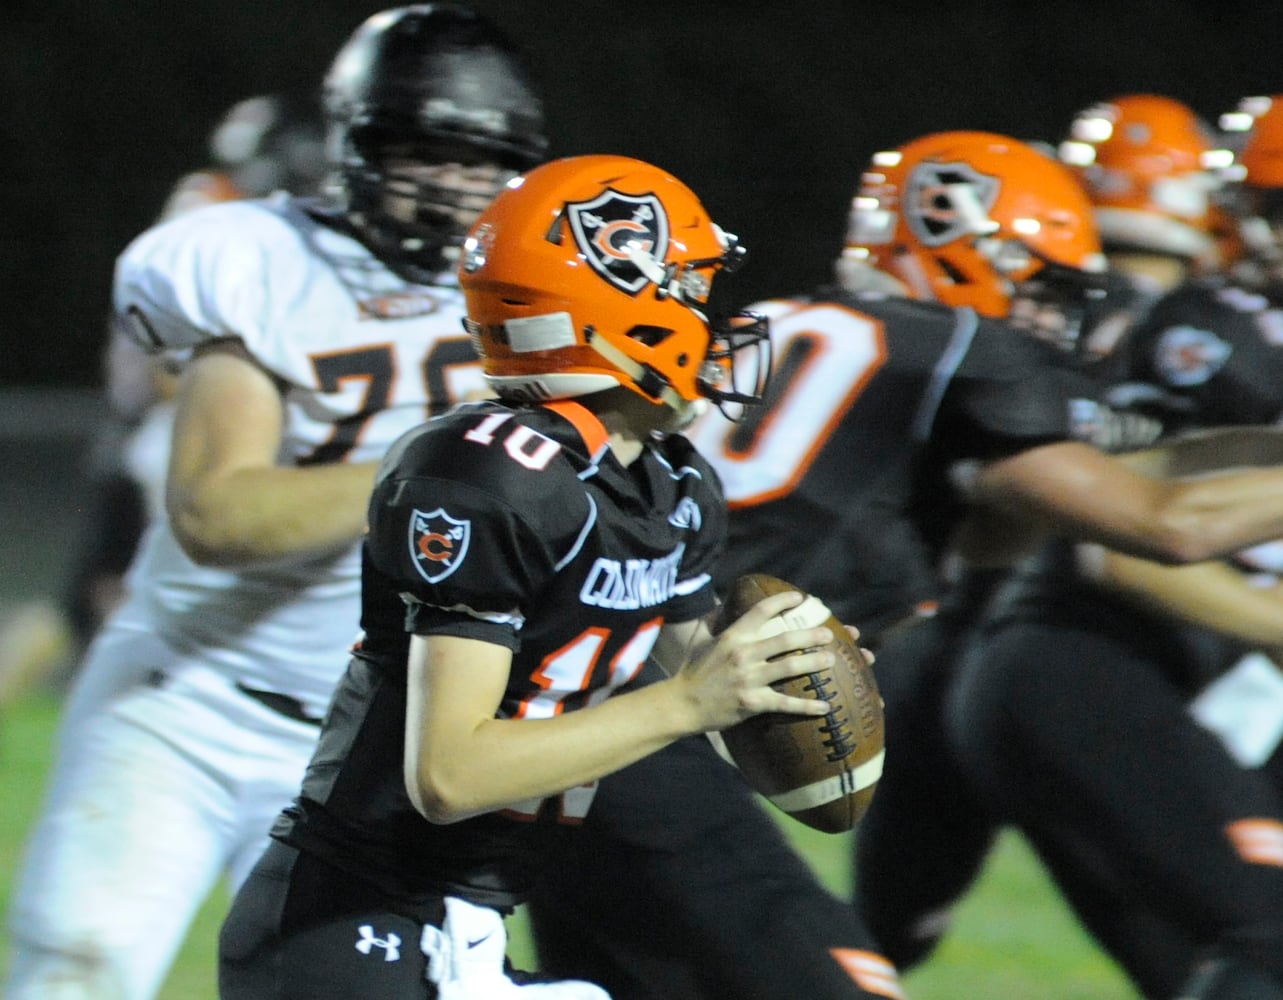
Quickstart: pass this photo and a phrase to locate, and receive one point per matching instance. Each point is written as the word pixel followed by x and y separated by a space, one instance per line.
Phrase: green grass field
pixel 1014 939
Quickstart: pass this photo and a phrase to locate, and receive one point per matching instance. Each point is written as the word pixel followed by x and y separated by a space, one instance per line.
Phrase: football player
pixel 1156 887
pixel 886 420
pixel 1254 130
pixel 262 144
pixel 314 332
pixel 1154 171
pixel 1259 173
pixel 543 544
pixel 1212 343
pixel 902 823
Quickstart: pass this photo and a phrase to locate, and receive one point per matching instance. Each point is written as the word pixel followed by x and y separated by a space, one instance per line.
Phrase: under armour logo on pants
pixel 391 944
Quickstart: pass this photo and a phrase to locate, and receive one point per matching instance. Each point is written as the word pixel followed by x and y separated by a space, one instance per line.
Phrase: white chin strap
pixel 633 369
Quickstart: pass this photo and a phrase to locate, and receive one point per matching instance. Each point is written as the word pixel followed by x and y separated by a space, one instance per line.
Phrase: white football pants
pixel 165 777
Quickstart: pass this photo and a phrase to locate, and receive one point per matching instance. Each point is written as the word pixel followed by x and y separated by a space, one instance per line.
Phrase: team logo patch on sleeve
pixel 438 543
pixel 1186 355
pixel 604 228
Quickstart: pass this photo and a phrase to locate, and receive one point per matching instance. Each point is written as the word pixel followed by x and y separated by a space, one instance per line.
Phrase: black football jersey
pixel 515 526
pixel 871 403
pixel 1215 351
pixel 1206 354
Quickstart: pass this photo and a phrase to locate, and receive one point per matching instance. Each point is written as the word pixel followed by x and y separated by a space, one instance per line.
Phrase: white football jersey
pixel 364 355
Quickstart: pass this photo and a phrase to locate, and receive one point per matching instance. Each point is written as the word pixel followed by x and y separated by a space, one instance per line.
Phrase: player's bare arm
pixel 1213 594
pixel 1210 450
pixel 230 503
pixel 460 760
pixel 1089 495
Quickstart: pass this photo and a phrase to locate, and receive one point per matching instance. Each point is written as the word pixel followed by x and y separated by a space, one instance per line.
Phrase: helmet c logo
pixel 613 237
pixel 435 546
pixel 933 203
pixel 605 226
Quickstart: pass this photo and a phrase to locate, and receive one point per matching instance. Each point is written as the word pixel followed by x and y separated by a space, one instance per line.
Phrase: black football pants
pixel 301 930
pixel 682 887
pixel 1167 848
pixel 926 836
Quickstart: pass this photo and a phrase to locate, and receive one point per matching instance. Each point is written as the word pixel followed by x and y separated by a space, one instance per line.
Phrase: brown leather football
pixel 821 770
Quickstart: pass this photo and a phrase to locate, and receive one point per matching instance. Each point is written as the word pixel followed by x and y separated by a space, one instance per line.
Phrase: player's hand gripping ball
pixel 821 770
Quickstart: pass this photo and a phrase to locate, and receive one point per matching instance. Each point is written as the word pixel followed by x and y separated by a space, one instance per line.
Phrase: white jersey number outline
pixel 825 356
pixel 569 671
pixel 376 367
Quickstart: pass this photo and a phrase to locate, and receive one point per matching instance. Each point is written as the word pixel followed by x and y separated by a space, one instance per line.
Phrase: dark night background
pixel 768 110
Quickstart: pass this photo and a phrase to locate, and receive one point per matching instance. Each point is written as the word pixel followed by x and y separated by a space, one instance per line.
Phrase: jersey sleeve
pixel 206 274
pixel 1218 349
pixel 1010 394
pixel 471 552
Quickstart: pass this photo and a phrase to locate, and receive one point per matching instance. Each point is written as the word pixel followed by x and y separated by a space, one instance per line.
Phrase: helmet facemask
pixel 1259 216
pixel 1053 304
pixel 430 110
pixel 726 377
pixel 414 202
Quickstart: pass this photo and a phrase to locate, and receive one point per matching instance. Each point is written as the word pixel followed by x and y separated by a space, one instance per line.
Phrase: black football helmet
pixel 443 83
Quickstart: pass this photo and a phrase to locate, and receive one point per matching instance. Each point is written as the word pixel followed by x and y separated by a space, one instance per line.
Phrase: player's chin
pixel 680 419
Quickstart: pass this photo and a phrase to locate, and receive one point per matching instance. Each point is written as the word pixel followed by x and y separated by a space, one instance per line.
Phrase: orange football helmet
pixel 594 271
pixel 965 217
pixel 1260 156
pixel 1150 166
pixel 1255 131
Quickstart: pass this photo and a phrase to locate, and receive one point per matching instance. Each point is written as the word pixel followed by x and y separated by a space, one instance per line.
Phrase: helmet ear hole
pixel 953 274
pixel 651 336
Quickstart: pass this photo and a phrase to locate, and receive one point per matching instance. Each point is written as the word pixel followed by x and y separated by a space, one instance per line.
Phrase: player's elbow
pixel 437 810
pixel 436 799
pixel 204 534
pixel 198 545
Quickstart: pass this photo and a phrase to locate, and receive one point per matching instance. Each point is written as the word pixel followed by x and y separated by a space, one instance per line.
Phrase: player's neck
pixel 629 420
pixel 625 443
pixel 1161 272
